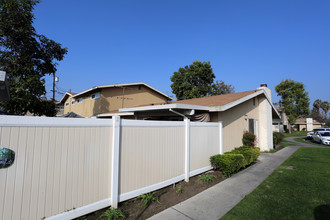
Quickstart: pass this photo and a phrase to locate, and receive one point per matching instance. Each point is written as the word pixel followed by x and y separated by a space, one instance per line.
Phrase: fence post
pixel 220 137
pixel 115 161
pixel 187 149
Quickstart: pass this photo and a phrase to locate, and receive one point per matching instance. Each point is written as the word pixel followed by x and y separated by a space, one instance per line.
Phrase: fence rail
pixel 65 168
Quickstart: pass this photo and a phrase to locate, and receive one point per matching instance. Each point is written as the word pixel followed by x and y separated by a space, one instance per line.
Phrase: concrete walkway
pixel 216 201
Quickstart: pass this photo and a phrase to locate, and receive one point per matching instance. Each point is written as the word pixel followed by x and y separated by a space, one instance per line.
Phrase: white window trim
pixel 73 102
pixel 80 100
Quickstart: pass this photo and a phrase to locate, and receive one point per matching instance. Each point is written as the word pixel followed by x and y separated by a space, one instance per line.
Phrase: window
pixel 251 125
pixel 79 100
pixel 66 104
pixel 96 95
pixel 73 102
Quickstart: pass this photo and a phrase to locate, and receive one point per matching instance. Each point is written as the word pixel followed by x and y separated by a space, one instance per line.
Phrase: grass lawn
pixel 286 143
pixel 296 134
pixel 298 189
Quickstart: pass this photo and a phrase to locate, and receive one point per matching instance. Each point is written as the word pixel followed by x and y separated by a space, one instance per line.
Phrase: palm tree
pixel 317 104
pixel 325 107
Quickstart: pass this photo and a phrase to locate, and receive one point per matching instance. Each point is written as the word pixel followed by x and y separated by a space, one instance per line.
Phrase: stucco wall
pixel 112 99
pixel 234 123
pixel 265 141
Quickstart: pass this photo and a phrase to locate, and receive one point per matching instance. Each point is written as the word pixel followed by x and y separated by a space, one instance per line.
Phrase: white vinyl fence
pixel 65 168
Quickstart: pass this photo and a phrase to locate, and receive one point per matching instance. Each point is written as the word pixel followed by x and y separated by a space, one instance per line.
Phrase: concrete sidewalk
pixel 216 201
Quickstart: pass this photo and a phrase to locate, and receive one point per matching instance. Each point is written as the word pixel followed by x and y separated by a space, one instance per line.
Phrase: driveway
pixel 291 139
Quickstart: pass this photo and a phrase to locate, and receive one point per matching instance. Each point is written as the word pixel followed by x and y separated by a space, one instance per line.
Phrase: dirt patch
pixel 168 196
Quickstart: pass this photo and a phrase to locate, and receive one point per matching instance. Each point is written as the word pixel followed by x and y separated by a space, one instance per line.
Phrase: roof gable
pixel 74 95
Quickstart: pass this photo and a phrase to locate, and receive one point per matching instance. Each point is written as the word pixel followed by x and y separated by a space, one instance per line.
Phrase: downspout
pixel 178 113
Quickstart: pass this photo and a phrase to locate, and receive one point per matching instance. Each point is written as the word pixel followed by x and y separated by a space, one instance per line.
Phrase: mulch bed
pixel 168 197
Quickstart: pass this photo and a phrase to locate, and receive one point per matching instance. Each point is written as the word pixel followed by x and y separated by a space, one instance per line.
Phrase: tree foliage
pixel 325 106
pixel 317 105
pixel 220 88
pixel 294 99
pixel 196 80
pixel 26 57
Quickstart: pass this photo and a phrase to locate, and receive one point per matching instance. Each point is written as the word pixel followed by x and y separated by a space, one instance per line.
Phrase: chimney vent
pixel 263 85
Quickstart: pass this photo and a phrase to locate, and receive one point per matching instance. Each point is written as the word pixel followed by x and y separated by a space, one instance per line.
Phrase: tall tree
pixel 26 57
pixel 317 105
pixel 220 88
pixel 196 80
pixel 325 107
pixel 294 99
pixel 193 81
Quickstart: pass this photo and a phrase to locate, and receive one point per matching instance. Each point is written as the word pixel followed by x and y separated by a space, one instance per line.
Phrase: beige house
pixel 301 124
pixel 101 100
pixel 280 124
pixel 306 124
pixel 243 111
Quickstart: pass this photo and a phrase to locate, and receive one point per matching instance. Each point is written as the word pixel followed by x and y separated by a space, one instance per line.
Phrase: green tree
pixel 294 99
pixel 220 88
pixel 193 81
pixel 325 106
pixel 196 80
pixel 26 57
pixel 317 105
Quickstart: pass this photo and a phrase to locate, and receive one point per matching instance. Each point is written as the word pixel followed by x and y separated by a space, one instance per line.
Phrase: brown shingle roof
pixel 303 121
pixel 217 100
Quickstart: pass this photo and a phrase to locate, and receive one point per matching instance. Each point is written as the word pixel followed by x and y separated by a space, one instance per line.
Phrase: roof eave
pixel 165 106
pixel 119 85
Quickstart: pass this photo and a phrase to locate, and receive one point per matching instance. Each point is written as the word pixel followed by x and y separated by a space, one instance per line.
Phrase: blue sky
pixel 247 42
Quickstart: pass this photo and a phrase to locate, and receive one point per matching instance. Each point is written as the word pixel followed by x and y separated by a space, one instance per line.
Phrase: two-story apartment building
pixel 109 98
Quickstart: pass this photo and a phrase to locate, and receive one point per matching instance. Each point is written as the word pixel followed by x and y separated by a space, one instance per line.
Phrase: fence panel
pixel 204 142
pixel 150 153
pixel 58 167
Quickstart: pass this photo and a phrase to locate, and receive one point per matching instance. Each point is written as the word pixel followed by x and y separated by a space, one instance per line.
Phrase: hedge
pixel 250 153
pixel 228 163
pixel 231 162
pixel 277 138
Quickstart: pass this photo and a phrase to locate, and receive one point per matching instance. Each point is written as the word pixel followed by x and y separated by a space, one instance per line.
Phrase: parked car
pixel 322 137
pixel 310 134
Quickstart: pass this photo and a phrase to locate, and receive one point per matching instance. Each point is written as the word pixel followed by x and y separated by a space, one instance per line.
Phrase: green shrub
pixel 179 189
pixel 248 139
pixel 113 214
pixel 228 163
pixel 277 138
pixel 207 178
pixel 148 198
pixel 250 154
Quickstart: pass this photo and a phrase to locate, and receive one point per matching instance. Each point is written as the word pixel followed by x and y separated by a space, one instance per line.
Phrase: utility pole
pixel 54 86
pixel 55 80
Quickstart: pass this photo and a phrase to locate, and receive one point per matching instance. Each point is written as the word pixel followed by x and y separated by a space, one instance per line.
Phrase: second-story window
pixel 79 100
pixel 73 102
pixel 66 104
pixel 95 95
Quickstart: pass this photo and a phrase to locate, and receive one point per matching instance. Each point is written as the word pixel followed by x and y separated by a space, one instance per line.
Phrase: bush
pixel 228 163
pixel 277 138
pixel 248 139
pixel 250 154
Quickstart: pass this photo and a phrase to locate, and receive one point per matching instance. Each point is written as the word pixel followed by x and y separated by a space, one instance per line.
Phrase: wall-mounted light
pixel 245 117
